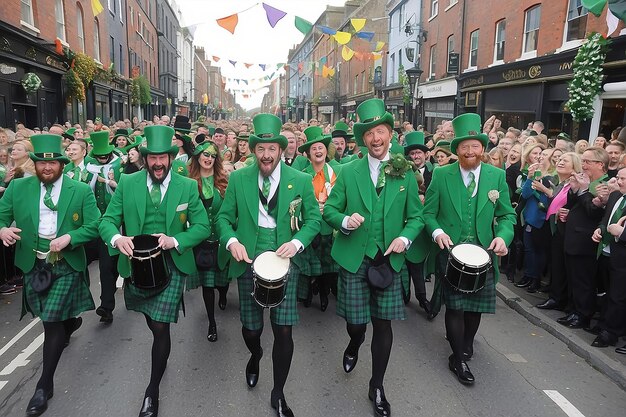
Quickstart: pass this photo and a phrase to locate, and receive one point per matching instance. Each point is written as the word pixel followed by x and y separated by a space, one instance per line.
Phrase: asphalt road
pixel 521 370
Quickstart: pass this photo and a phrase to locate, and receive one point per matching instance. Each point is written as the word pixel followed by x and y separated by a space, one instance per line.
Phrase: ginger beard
pixel 48 171
pixel 158 166
pixel 267 157
pixel 470 153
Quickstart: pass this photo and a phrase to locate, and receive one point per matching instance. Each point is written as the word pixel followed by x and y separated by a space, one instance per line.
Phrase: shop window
pixel 531 29
pixel 498 50
pixel 59 13
pixel 80 28
pixel 473 53
pixel 27 12
pixel 576 21
pixel 96 40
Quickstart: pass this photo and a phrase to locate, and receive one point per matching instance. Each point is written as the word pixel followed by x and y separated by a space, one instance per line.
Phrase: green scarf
pixel 207 187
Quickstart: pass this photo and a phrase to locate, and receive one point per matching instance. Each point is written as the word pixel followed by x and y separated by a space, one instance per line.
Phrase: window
pixel 473 58
pixel 27 12
pixel 432 61
pixel 498 51
pixel 132 19
pixel 450 50
pixel 119 6
pixel 112 49
pixel 453 2
pixel 392 72
pixel 531 29
pixel 434 8
pixel 60 18
pixel 576 21
pixel 96 40
pixel 401 22
pixel 80 28
pixel 111 6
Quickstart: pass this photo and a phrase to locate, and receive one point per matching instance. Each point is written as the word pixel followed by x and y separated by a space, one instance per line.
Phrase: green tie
pixel 380 183
pixel 155 195
pixel 76 176
pixel 472 185
pixel 266 192
pixel 47 198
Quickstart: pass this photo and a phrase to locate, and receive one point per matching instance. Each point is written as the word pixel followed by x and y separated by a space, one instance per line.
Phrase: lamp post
pixel 414 76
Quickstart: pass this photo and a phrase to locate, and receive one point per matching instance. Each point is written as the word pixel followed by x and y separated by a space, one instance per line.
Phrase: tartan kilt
pixel 405 279
pixel 483 301
pixel 357 301
pixel 159 305
pixel 251 313
pixel 211 278
pixel 68 296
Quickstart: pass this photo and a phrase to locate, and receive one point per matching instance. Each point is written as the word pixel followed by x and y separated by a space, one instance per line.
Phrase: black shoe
pixel 252 370
pixel 424 303
pixel 7 289
pixel 549 304
pixel 462 371
pixel 212 334
pixel 595 330
pixel 17 281
pixel 106 315
pixel 323 301
pixel 281 407
pixel 150 407
pixel 222 300
pixel 382 408
pixel 351 356
pixel 621 350
pixel 431 316
pixel 38 404
pixel 428 278
pixel 468 353
pixel 71 328
pixel 565 320
pixel 533 287
pixel 525 282
pixel 578 323
pixel 604 339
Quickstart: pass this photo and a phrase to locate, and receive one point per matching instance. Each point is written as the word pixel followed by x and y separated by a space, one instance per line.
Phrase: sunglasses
pixel 209 155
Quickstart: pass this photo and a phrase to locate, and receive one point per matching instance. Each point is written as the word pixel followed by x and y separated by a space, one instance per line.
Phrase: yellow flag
pixel 347 53
pixel 376 56
pixel 358 24
pixel 331 72
pixel 96 7
pixel 342 38
pixel 379 46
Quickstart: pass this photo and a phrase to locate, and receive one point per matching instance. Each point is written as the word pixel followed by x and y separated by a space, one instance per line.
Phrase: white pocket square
pixel 182 207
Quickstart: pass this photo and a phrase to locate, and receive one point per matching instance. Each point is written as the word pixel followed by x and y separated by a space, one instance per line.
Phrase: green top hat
pixel 159 141
pixel 121 132
pixel 244 136
pixel 181 124
pixel 467 126
pixel 48 148
pixel 342 130
pixel 69 133
pixel 267 130
pixel 207 144
pixel 442 145
pixel 414 140
pixel 371 113
pixel 314 134
pixel 395 147
pixel 139 140
pixel 101 145
pixel 184 138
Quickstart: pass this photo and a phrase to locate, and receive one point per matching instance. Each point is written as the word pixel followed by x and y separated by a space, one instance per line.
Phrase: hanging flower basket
pixel 31 82
pixel 587 82
pixel 75 86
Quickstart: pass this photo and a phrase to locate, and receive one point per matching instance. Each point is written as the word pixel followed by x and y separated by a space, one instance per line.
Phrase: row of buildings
pixel 126 39
pixel 509 58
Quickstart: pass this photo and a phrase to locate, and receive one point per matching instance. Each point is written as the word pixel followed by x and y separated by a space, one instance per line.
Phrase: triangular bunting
pixel 359 56
pixel 232 62
pixel 358 24
pixel 326 30
pixel 379 46
pixel 324 71
pixel 96 7
pixel 343 38
pixel 245 82
pixel 303 26
pixel 216 58
pixel 248 65
pixel 376 56
pixel 323 60
pixel 331 72
pixel 229 22
pixel 347 53
pixel 262 66
pixel 368 36
pixel 273 14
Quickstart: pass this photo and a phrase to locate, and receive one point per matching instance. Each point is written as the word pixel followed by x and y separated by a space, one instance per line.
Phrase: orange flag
pixel 248 65
pixel 229 22
pixel 216 58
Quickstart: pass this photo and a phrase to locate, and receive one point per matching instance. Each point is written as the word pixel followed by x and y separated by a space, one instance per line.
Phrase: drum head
pixel 270 266
pixel 470 254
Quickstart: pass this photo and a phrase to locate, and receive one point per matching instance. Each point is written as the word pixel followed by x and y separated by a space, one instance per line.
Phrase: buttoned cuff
pixel 231 241
pixel 436 233
pixel 176 244
pixel 344 226
pixel 407 242
pixel 299 246
pixel 114 239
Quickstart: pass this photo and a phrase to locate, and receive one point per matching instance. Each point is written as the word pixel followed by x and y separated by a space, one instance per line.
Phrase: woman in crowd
pixel 135 159
pixel 6 136
pixel 494 138
pixel 600 141
pixel 21 164
pixel 512 167
pixel 581 146
pixel 556 156
pixel 496 158
pixel 185 147
pixel 206 168
pixel 442 155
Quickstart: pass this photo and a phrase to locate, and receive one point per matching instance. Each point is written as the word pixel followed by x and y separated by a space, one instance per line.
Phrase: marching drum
pixel 148 266
pixel 467 268
pixel 270 273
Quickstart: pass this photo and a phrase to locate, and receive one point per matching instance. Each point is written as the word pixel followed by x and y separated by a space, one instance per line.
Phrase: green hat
pixel 69 133
pixel 442 145
pixel 467 126
pixel 314 134
pixel 371 113
pixel 395 147
pixel 414 140
pixel 159 140
pixel 564 136
pixel 267 130
pixel 101 145
pixel 48 148
pixel 139 140
pixel 342 130
pixel 244 136
pixel 203 147
pixel 121 132
pixel 184 138
pixel 211 129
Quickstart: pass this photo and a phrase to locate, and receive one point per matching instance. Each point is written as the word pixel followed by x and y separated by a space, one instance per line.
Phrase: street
pixel 521 370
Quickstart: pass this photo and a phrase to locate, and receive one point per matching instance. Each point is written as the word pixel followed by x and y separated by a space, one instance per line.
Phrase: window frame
pixel 432 62
pixel 499 41
pixel 30 23
pixel 434 9
pixel 80 26
pixel 469 58
pixel 96 40
pixel 584 15
pixel 533 52
pixel 58 3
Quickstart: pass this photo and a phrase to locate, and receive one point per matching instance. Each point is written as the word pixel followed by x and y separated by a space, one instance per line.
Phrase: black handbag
pixel 42 277
pixel 206 255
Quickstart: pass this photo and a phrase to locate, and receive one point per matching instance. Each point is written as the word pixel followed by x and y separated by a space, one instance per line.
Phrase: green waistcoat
pixel 155 216
pixel 468 227
pixel 266 241
pixel 378 208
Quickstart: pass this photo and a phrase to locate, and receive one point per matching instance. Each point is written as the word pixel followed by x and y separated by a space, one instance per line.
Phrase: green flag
pixel 303 26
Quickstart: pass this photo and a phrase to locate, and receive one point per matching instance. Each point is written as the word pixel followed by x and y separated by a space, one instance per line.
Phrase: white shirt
pixel 48 218
pixel 466 180
pixel 607 248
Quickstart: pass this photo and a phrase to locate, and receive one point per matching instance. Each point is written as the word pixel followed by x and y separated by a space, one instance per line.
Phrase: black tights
pixel 382 340
pixel 161 347
pixel 208 294
pixel 53 345
pixel 461 327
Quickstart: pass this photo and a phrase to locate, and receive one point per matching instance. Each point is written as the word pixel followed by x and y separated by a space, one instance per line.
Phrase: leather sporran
pixel 42 277
pixel 379 273
pixel 206 255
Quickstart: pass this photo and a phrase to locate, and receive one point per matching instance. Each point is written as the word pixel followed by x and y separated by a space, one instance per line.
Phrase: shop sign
pixel 325 109
pixel 7 69
pixel 453 63
pixel 438 89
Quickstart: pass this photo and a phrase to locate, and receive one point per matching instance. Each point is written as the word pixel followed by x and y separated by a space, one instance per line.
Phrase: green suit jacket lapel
pixel 485 183
pixel 456 188
pixel 364 181
pixel 34 208
pixel 251 192
pixel 67 192
pixel 140 189
pixel 286 193
pixel 174 192
pixel 393 188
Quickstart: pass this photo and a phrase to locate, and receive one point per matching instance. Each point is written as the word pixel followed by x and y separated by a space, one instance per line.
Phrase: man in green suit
pixel 54 217
pixel 77 168
pixel 268 206
pixel 159 203
pixel 376 207
pixel 467 202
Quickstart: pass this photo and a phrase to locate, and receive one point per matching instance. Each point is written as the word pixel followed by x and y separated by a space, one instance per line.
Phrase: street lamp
pixel 414 76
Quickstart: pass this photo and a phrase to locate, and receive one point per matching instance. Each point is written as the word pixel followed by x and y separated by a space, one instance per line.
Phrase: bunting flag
pixel 359 55
pixel 326 30
pixel 232 62
pixel 618 8
pixel 248 65
pixel 347 53
pixel 325 71
pixel 262 66
pixel 273 14
pixel 612 22
pixel 376 56
pixel 379 46
pixel 245 82
pixel 216 58
pixel 229 22
pixel 342 38
pixel 300 66
pixel 323 60
pixel 331 72
pixel 237 80
pixel 303 26
pixel 368 36
pixel 96 7
pixel 358 24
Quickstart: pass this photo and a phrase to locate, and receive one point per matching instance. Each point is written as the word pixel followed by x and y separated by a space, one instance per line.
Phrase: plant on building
pixel 403 79
pixel 587 82
pixel 31 82
pixel 75 86
pixel 85 67
pixel 140 91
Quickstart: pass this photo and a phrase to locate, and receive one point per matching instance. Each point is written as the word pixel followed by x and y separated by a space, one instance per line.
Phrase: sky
pixel 254 40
